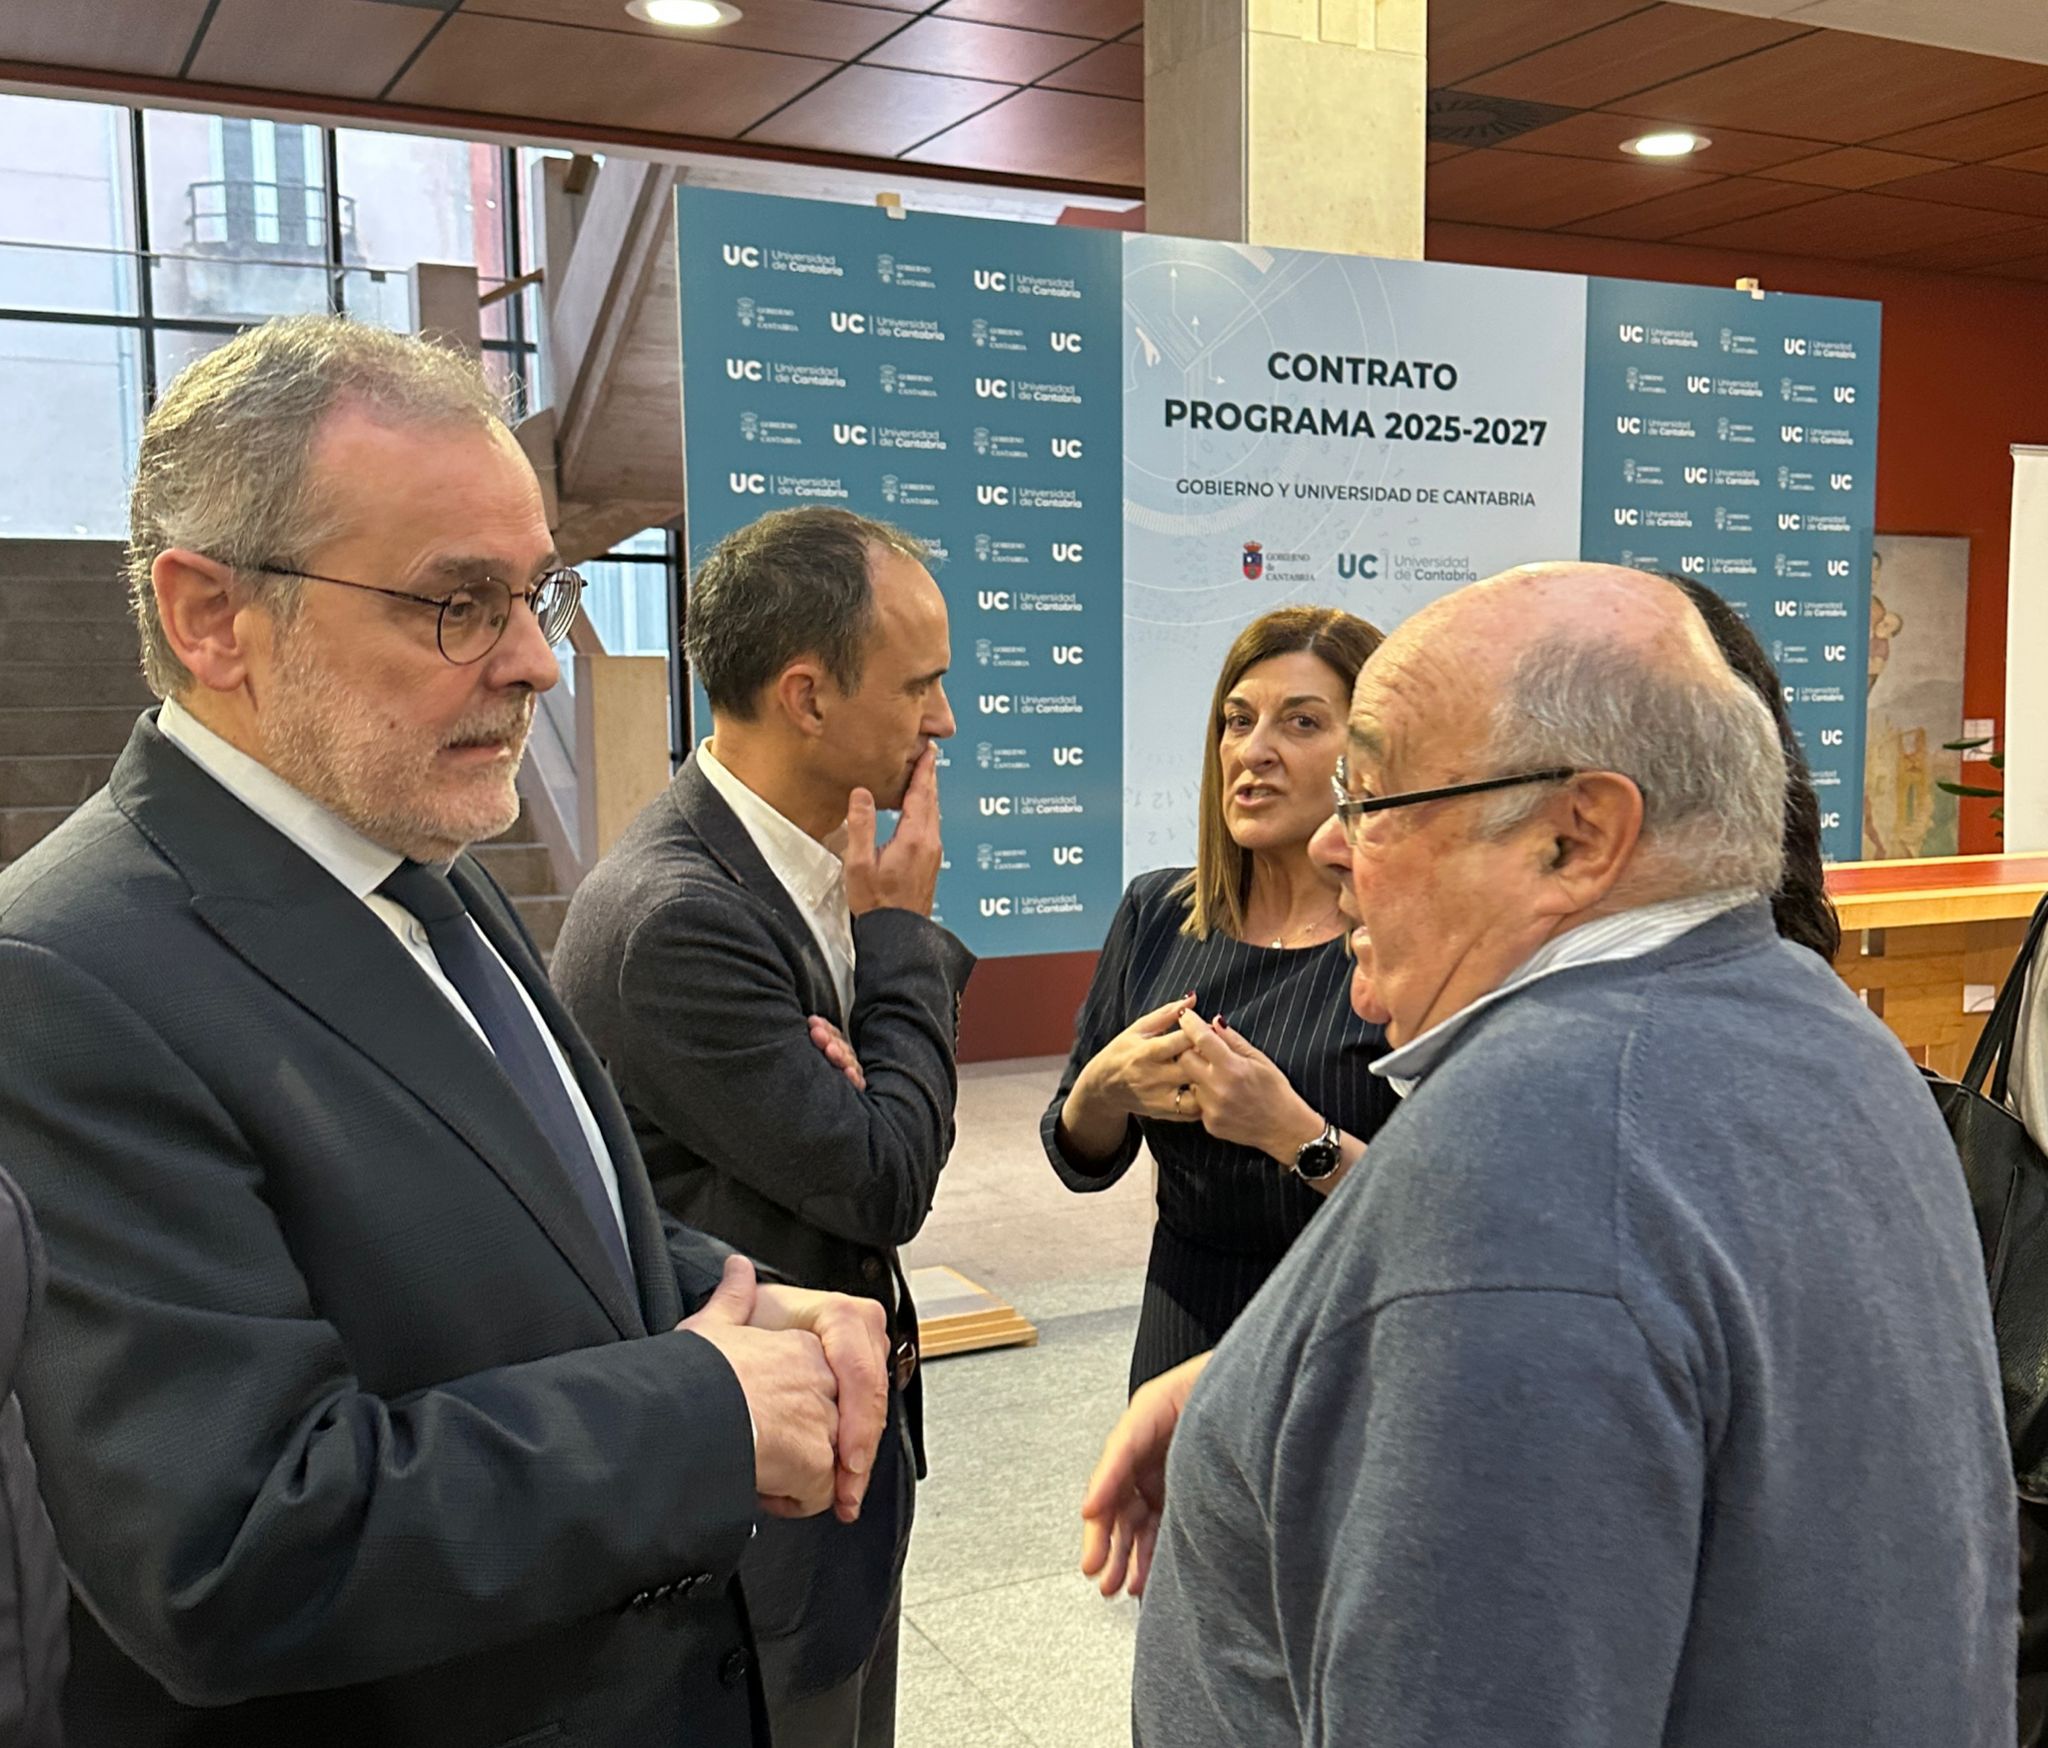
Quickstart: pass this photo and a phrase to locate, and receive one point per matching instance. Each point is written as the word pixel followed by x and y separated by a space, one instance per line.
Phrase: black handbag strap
pixel 1994 1046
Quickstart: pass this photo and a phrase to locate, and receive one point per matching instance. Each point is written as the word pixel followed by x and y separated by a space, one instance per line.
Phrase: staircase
pixel 71 687
pixel 70 681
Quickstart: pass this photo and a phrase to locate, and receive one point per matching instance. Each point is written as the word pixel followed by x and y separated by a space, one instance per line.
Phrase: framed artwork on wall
pixel 1919 605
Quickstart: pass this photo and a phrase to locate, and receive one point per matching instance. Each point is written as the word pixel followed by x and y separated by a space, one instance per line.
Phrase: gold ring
pixel 1177 1091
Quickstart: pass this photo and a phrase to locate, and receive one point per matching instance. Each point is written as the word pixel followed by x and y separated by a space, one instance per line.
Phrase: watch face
pixel 1318 1158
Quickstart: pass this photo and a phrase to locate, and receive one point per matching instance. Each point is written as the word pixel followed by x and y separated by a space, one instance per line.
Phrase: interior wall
pixel 1965 376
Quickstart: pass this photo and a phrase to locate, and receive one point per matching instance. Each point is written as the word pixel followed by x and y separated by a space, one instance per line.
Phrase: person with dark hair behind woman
pixel 1800 907
pixel 1254 1130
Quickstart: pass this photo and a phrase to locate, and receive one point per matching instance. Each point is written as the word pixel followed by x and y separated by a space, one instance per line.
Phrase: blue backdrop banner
pixel 1285 427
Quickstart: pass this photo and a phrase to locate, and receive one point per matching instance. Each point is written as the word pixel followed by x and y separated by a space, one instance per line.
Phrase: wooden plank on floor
pixel 955 1315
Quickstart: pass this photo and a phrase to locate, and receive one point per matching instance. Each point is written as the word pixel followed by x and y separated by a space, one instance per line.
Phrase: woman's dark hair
pixel 1800 906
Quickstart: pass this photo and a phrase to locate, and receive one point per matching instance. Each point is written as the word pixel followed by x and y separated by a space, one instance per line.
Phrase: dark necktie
pixel 489 993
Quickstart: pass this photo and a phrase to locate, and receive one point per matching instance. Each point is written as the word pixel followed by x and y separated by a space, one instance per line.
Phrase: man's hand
pixel 854 1334
pixel 791 1390
pixel 1120 1515
pixel 904 874
pixel 832 1043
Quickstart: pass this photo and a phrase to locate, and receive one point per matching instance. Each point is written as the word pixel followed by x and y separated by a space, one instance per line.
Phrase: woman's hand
pixel 1244 1098
pixel 1138 1072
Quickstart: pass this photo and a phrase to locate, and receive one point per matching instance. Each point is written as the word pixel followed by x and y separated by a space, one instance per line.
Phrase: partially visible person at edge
pixel 1251 1136
pixel 375 1401
pixel 1642 1389
pixel 779 1012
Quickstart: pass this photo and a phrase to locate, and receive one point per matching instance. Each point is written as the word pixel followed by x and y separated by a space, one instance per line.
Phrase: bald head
pixel 1591 667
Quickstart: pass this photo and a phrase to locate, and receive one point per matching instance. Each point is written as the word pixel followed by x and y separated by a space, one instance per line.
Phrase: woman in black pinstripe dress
pixel 1250 937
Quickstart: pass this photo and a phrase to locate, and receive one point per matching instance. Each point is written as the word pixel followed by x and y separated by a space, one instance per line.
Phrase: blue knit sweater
pixel 1638 1390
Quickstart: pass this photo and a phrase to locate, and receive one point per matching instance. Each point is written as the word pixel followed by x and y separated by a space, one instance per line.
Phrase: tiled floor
pixel 1005 1645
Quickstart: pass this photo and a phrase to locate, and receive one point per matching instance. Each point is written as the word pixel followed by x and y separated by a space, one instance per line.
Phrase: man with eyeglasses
pixel 1640 1387
pixel 375 1399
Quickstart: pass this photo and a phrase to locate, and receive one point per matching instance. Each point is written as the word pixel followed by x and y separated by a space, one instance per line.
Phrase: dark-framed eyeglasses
pixel 471 619
pixel 1352 808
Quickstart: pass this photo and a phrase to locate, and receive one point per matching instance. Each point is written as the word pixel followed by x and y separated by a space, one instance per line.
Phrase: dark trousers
pixel 860 1712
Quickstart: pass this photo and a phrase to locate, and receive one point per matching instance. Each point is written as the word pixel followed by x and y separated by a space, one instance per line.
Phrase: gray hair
pixel 1702 748
pixel 791 583
pixel 224 463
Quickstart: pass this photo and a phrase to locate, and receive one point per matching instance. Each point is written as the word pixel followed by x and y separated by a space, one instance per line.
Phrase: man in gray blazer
pixel 779 1012
pixel 376 1400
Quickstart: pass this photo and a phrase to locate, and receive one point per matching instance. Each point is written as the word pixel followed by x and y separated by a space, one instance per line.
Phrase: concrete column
pixel 1292 123
pixel 444 305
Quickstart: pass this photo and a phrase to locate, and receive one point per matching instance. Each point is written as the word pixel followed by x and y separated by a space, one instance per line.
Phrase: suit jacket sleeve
pixel 713 1042
pixel 240 1513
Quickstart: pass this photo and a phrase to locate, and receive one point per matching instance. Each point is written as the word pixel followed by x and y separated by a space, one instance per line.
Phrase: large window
pixel 132 242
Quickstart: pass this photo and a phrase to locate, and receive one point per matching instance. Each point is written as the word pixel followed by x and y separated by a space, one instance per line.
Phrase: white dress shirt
pixel 810 873
pixel 362 867
pixel 1628 935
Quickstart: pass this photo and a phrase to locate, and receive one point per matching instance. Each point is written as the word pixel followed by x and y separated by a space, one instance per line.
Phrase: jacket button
pixel 733 1666
pixel 871 1268
pixel 641 1599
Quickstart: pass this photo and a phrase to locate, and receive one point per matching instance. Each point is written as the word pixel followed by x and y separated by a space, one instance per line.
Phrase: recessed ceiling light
pixel 1676 144
pixel 684 14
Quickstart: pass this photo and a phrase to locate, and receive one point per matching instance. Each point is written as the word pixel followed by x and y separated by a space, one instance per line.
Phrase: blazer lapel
pixel 324 949
pixel 646 1240
pixel 730 845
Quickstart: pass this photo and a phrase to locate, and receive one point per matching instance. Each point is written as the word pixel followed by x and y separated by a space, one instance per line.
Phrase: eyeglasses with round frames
pixel 470 620
pixel 1352 808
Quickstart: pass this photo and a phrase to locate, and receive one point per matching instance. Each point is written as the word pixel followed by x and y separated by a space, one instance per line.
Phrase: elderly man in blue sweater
pixel 1639 1392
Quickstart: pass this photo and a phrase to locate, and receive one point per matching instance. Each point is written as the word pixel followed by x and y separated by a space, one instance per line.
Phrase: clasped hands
pixel 814 1368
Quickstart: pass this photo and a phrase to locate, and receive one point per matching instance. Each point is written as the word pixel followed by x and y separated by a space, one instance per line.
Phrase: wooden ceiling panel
pixel 1853 167
pixel 1981 186
pixel 1438 150
pixel 1844 88
pixel 1973 252
pixel 2027 267
pixel 122 36
pixel 1855 227
pixel 1693 209
pixel 1985 133
pixel 512 67
pixel 349 48
pixel 1117 69
pixel 977 51
pixel 2035 159
pixel 1599 134
pixel 1468 37
pixel 886 110
pixel 825 28
pixel 1058 134
pixel 1534 193
pixel 1101 19
pixel 1636 53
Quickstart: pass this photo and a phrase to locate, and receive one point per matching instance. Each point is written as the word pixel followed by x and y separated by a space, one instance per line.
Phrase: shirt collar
pixel 1627 935
pixel 811 872
pixel 359 864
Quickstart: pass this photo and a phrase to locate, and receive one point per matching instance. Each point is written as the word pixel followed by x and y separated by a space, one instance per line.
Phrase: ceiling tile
pixel 508 66
pixel 1692 209
pixel 1646 49
pixel 1988 133
pixel 876 110
pixel 1475 36
pixel 1973 252
pixel 1117 69
pixel 1855 227
pixel 1849 89
pixel 1853 167
pixel 1535 193
pixel 1050 133
pixel 123 36
pixel 1598 133
pixel 1101 19
pixel 977 51
pixel 345 48
pixel 1982 186
pixel 825 28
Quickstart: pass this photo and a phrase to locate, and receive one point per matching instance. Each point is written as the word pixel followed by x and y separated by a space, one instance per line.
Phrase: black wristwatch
pixel 1318 1161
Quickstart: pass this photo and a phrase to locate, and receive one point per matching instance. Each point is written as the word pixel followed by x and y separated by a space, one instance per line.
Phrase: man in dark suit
pixel 375 1399
pixel 779 1012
